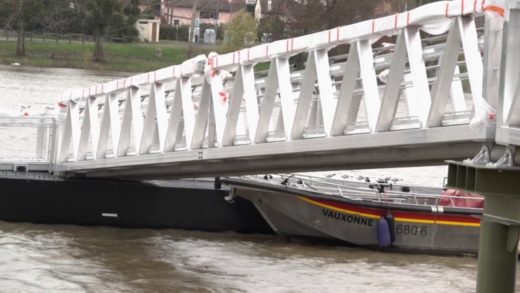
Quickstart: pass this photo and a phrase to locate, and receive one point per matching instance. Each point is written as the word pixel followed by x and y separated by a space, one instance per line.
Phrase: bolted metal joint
pixel 483 156
pixel 507 159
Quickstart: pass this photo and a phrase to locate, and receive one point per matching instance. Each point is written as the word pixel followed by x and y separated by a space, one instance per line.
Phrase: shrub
pixel 168 32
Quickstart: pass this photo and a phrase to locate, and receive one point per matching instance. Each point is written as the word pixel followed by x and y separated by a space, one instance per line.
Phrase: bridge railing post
pixel 54 139
pixel 493 36
pixel 508 100
pixel 41 140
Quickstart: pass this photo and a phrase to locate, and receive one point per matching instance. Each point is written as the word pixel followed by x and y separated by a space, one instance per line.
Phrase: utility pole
pixel 216 16
pixel 192 27
pixel 171 12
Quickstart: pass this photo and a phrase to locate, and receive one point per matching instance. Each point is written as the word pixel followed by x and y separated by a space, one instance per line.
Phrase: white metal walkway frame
pixel 210 115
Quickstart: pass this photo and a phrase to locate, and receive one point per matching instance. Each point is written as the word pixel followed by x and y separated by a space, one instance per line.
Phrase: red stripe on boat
pixel 399 214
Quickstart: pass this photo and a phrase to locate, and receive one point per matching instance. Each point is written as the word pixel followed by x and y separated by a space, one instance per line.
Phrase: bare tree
pixel 20 43
pixel 24 15
pixel 21 14
pixel 308 16
pixel 98 15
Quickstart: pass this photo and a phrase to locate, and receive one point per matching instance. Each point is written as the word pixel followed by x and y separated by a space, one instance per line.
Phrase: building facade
pixel 210 12
pixel 266 8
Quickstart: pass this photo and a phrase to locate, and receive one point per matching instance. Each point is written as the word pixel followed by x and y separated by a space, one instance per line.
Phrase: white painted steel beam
pixel 278 83
pixel 508 99
pixel 457 93
pixel 419 98
pixel 510 95
pixel 307 89
pixel 250 100
pixel 391 94
pixel 418 137
pixel 368 78
pixel 71 134
pixel 110 128
pixel 493 36
pixel 354 159
pixel 132 124
pixel 219 104
pixel 441 89
pixel 202 119
pixel 473 58
pixel 182 116
pixel 327 103
pixel 243 92
pixel 155 122
pixel 89 130
pixel 347 106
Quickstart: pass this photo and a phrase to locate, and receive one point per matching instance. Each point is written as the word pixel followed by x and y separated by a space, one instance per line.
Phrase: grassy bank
pixel 119 57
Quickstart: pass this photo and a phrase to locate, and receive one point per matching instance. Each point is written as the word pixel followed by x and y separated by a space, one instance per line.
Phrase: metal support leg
pixel 500 226
pixel 497 261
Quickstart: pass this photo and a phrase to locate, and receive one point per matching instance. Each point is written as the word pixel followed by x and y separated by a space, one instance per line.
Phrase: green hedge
pixel 168 32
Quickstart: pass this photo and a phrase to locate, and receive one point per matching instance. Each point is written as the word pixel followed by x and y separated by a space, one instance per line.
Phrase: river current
pixel 68 258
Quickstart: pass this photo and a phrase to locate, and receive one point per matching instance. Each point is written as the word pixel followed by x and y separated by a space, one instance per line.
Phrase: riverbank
pixel 119 57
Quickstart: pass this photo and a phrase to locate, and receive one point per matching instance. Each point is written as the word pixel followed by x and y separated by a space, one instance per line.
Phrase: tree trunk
pixel 99 54
pixel 20 42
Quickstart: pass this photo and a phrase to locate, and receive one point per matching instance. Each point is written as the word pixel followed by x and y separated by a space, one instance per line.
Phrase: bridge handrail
pixel 31 139
pixel 432 18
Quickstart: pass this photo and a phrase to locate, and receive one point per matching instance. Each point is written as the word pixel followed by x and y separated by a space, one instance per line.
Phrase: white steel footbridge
pixel 413 88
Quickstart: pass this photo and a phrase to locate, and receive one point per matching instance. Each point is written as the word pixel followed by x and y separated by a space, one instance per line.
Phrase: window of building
pixel 209 14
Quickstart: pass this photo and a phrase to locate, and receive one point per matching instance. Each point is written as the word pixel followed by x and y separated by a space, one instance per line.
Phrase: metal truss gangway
pixel 406 89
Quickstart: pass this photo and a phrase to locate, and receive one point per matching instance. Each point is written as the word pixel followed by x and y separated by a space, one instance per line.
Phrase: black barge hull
pixel 126 204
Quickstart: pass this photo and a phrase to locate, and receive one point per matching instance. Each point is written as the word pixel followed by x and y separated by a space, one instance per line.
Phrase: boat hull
pixel 181 205
pixel 356 223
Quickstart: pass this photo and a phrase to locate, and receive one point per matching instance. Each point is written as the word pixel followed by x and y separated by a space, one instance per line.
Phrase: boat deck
pixel 374 192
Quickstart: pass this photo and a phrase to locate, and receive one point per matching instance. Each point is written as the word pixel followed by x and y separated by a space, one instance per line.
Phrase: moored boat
pixel 379 215
pixel 39 197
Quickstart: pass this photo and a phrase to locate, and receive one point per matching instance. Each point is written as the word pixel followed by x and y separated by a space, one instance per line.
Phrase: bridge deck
pixel 403 148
